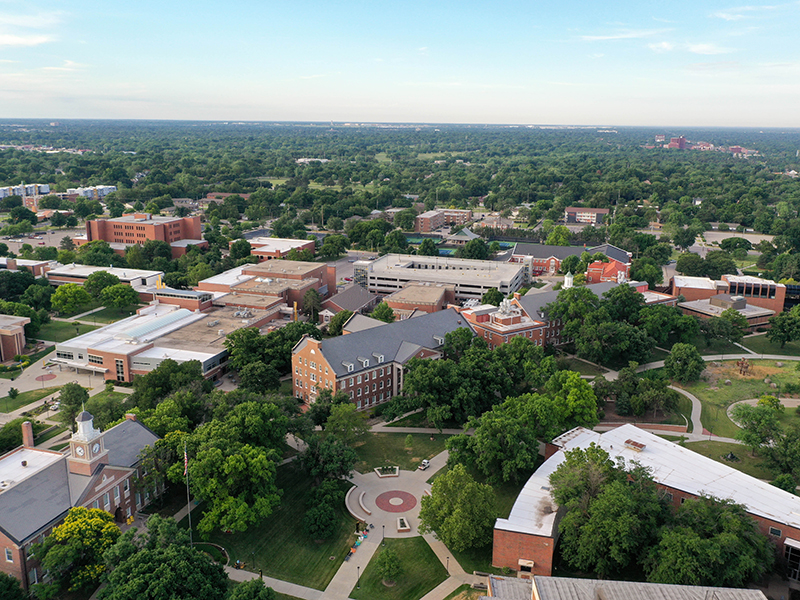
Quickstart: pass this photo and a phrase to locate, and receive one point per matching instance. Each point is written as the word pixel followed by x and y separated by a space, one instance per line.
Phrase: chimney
pixel 27 434
pixel 130 417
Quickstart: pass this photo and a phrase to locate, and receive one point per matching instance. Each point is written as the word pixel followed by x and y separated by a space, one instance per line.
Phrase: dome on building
pixel 84 416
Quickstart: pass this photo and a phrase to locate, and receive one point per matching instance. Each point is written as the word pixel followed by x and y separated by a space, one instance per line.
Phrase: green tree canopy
pixel 119 296
pixel 684 363
pixel 492 296
pixel 383 312
pixel 70 297
pixel 98 281
pixel 337 322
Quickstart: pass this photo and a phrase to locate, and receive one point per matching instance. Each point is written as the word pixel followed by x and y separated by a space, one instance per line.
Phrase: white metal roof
pixel 701 283
pixel 268 244
pixel 76 270
pixel 672 465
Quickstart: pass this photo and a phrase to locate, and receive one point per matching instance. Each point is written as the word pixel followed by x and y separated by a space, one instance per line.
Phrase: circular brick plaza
pixel 396 501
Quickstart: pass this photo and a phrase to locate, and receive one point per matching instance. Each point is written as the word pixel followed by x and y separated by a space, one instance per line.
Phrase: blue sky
pixel 674 63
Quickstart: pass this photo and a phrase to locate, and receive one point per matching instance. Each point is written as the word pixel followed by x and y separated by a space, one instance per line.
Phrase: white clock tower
pixel 88 449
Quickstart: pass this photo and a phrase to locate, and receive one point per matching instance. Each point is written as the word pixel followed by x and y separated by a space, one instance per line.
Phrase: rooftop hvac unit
pixel 221 332
pixel 212 323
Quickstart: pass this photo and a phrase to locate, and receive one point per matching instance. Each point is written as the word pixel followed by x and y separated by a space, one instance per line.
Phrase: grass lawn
pixel 282 549
pixel 716 396
pixel 112 395
pixel 422 572
pixel 110 315
pixel 50 434
pixel 59 447
pixel 418 419
pixel 582 367
pixel 60 331
pixel 85 308
pixel 753 466
pixel 8 405
pixel 716 347
pixel 380 449
pixel 465 592
pixel 760 344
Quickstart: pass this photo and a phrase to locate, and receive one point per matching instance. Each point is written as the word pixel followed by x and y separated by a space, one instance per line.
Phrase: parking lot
pixel 50 237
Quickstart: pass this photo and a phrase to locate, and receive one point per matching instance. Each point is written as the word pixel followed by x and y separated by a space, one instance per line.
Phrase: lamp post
pixel 358 577
pixel 383 535
pixel 253 563
pixel 448 565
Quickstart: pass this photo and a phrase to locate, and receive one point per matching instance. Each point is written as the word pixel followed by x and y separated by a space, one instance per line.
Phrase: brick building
pixel 39 487
pixel 613 270
pixel 527 538
pixel 591 216
pixel 266 248
pixel 432 220
pixel 763 293
pixel 420 297
pixel 137 228
pixel 716 305
pixel 368 364
pixel 37 267
pixel 540 259
pixel 12 336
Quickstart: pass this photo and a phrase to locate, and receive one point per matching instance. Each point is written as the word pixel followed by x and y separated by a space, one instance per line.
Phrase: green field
pixel 282 549
pixel 383 449
pixel 8 405
pixel 465 592
pixel 760 344
pixel 60 331
pixel 753 466
pixel 422 571
pixel 110 315
pixel 581 366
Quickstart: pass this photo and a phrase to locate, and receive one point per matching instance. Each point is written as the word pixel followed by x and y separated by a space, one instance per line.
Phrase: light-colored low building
pixel 12 336
pixel 268 248
pixel 471 279
pixel 716 305
pixel 422 297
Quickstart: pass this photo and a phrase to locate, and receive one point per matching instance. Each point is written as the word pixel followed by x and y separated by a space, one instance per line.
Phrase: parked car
pixel 41 243
pixel 424 464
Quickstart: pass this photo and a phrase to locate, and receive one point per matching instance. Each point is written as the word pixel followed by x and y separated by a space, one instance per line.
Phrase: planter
pixel 403 526
pixel 391 472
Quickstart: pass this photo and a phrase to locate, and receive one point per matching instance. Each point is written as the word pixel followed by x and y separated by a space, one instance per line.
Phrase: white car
pixel 424 464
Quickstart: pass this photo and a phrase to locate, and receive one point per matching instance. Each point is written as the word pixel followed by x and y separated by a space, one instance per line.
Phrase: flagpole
pixel 188 502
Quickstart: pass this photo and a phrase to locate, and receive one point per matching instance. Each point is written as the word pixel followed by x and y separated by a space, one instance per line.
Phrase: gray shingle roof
pixel 563 588
pixel 395 341
pixel 35 502
pixel 353 298
pixel 125 441
pixel 612 252
pixel 508 588
pixel 545 251
pixel 533 304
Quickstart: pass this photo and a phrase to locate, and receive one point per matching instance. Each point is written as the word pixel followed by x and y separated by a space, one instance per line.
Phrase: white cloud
pixel 39 20
pixel 661 46
pixel 67 66
pixel 707 48
pixel 23 40
pixel 623 35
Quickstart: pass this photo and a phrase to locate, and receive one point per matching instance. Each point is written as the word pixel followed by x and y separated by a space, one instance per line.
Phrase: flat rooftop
pixel 230 277
pixel 269 286
pixel 420 294
pixel 146 219
pixel 751 279
pixel 270 244
pixel 12 472
pixel 83 271
pixel 440 268
pixel 237 299
pixel 700 283
pixel 279 268
pixel 208 334
pixel 705 307
pixel 12 321
pixel 185 243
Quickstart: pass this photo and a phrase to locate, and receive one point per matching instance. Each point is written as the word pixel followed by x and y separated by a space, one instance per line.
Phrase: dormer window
pixel 349 366
pixel 364 362
pixel 378 357
pixel 439 340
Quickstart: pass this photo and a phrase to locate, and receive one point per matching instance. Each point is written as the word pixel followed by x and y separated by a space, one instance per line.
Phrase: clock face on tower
pixel 79 450
pixel 96 448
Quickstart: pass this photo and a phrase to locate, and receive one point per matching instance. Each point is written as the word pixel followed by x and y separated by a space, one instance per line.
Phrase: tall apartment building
pixel 95 192
pixel 39 487
pixel 368 364
pixel 136 228
pixel 578 214
pixel 434 219
pixel 471 279
pixel 25 189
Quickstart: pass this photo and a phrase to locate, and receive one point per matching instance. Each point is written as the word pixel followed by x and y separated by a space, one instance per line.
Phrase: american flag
pixel 185 463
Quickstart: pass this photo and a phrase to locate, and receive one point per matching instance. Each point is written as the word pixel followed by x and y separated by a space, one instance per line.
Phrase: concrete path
pixel 283 587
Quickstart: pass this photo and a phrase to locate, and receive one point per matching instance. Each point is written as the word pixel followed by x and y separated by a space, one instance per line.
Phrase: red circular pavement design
pixel 47 377
pixel 407 501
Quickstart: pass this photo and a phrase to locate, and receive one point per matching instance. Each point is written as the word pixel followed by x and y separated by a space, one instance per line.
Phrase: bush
pixel 791 388
pixel 13 393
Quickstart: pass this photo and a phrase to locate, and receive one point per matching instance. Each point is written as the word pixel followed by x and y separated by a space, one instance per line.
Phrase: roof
pixel 352 298
pixel 545 251
pixel 149 218
pixel 359 322
pixel 125 441
pixel 699 283
pixel 750 279
pixel 464 234
pixel 672 466
pixel 713 310
pixel 83 271
pixel 268 244
pixel 565 588
pixel 533 304
pixel 35 501
pixel 420 294
pixel 394 341
pixel 186 242
pixel 612 252
pixel 603 211
pixel 510 588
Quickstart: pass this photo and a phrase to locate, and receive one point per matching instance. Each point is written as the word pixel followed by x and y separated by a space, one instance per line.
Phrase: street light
pixel 383 535
pixel 358 577
pixel 448 565
pixel 253 554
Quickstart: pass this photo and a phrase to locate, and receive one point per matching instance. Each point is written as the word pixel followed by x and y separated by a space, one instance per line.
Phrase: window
pixel 381 372
pixel 358 379
pixel 792 556
pixel 775 531
pixel 374 386
pixel 374 374
pixel 138 499
pixel 683 500
pixel 66 355
pixel 9 555
pixel 106 501
pixel 96 504
pixel 359 392
pixel 350 382
pixel 126 486
pixel 116 494
pixel 381 383
pixel 97 360
pixel 120 370
pixel 668 496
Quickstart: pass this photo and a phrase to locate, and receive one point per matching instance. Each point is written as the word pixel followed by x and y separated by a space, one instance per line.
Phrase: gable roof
pixel 534 304
pixel 125 441
pixel 359 322
pixel 612 252
pixel 396 341
pixel 464 234
pixel 353 298
pixel 566 588
pixel 545 251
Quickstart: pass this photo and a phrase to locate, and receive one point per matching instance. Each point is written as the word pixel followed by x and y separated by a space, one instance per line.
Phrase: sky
pixel 675 63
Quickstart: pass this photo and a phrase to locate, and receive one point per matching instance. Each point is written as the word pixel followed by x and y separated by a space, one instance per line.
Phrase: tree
pixel 71 399
pixel 337 322
pixel 252 590
pixel 646 269
pixel 312 304
pixel 259 377
pixel 327 458
pixel 405 219
pixel 559 236
pixel 428 248
pixel 67 244
pixel 759 425
pixel 718 263
pixel 119 296
pixel 105 410
pixel 684 238
pixel 784 327
pixel 333 246
pixel 684 363
pixel 20 214
pixel 335 223
pixel 98 281
pixel 713 542
pixel 245 346
pixel 717 328
pixel 38 296
pixel 474 249
pixel 460 510
pixel 10 588
pixel 383 312
pixel 240 249
pixel 73 552
pixel 690 264
pixel 70 297
pixel 320 410
pixel 346 423
pixel 165 379
pixel 492 296
pixel 457 342
pixel 388 565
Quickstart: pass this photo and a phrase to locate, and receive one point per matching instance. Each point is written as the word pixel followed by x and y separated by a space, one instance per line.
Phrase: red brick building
pixel 591 216
pixel 266 248
pixel 137 228
pixel 432 220
pixel 12 336
pixel 763 293
pixel 613 270
pixel 39 487
pixel 420 297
